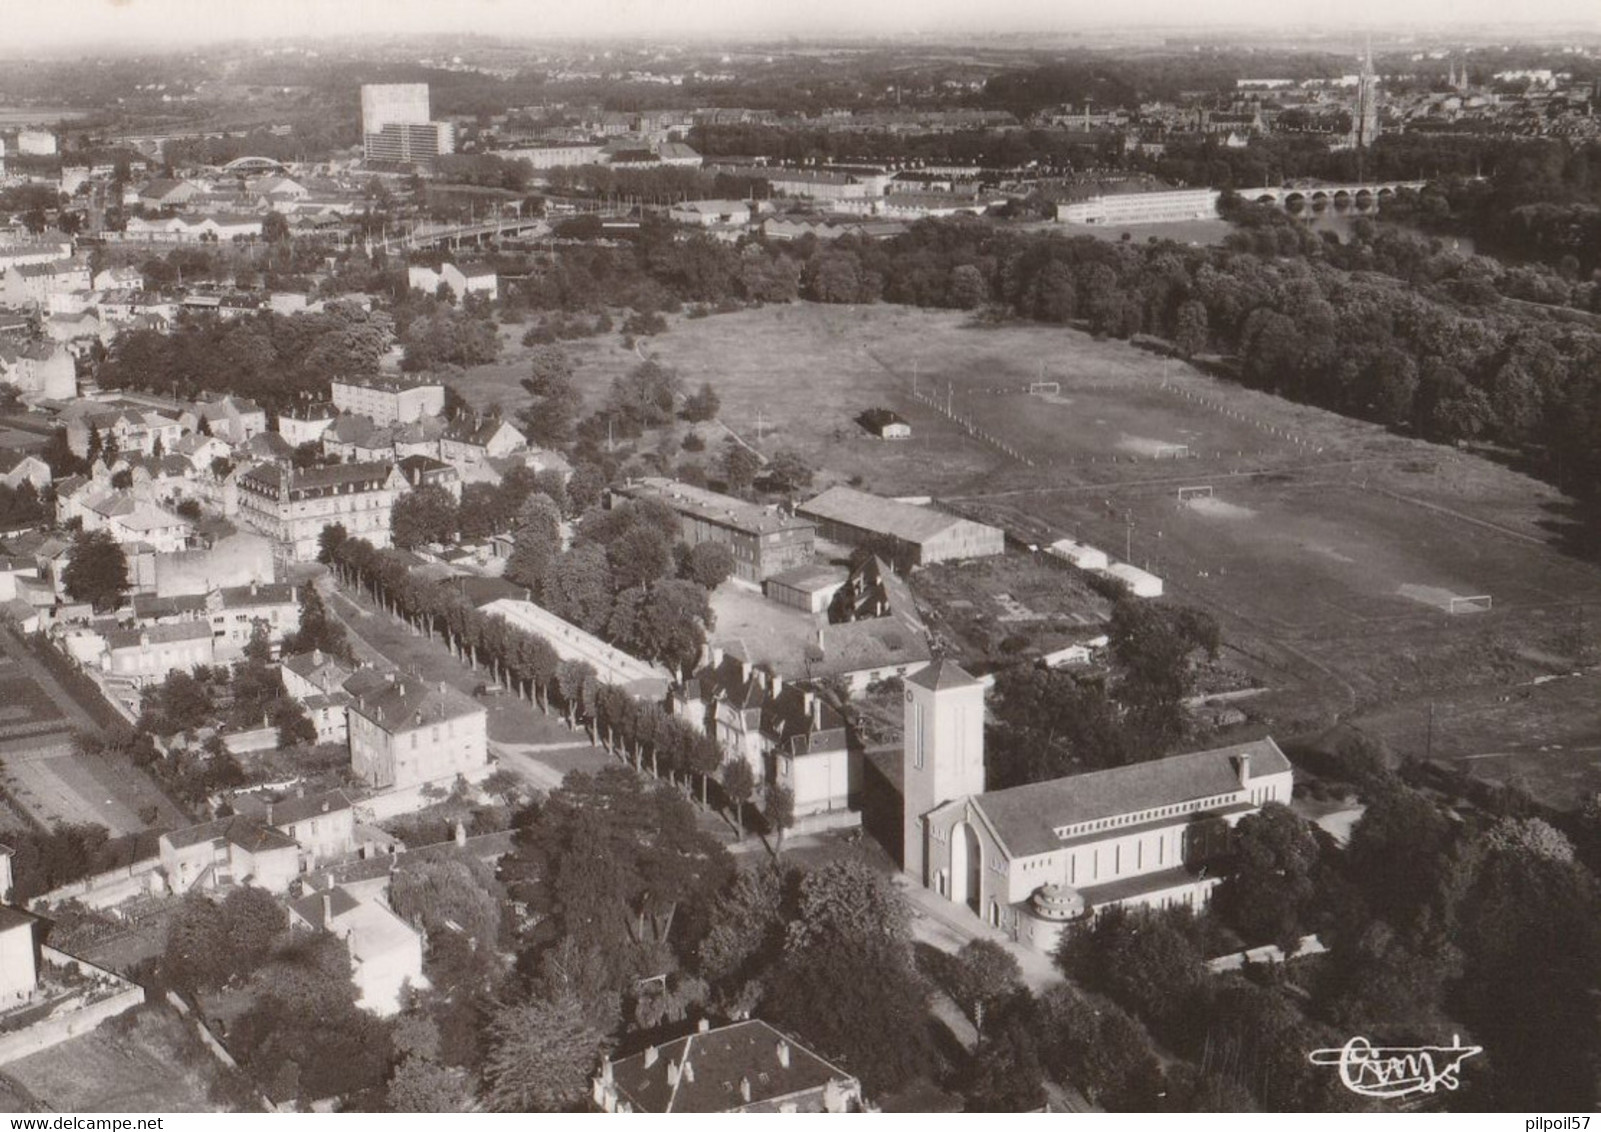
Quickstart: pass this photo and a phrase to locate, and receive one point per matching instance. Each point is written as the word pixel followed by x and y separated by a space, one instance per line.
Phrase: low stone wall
pixel 827 820
pixel 69 1022
pixel 244 742
pixel 111 887
pixel 410 799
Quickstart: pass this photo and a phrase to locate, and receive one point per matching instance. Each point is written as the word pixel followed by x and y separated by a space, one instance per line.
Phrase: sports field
pixel 1330 550
pixel 1306 556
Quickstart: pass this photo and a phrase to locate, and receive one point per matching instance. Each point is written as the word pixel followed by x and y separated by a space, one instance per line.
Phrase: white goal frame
pixel 1171 452
pixel 1476 603
pixel 1199 491
pixel 1052 387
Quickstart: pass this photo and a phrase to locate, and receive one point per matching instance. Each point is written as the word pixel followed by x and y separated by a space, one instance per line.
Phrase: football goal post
pixel 1172 452
pixel 1476 604
pixel 1052 387
pixel 1200 491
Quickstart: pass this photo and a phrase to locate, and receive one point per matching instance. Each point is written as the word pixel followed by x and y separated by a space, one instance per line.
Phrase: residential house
pixel 306 423
pixel 153 609
pixel 478 439
pixel 314 673
pixel 77 330
pixel 228 851
pixel 40 371
pixel 785 732
pixel 409 731
pixel 232 560
pixel 34 284
pixel 19 955
pixel 202 451
pixel 265 446
pixel 146 655
pixel 425 471
pixel 459 282
pixel 745 1066
pixel 234 419
pixel 128 518
pixel 11 570
pixel 385 951
pixel 129 430
pixel 418 438
pixel 322 824
pixel 118 279
pixel 18 468
pixel 234 612
pixel 131 520
pixel 317 681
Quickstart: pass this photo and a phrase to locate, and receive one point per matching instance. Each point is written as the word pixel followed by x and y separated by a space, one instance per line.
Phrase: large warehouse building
pixel 912 535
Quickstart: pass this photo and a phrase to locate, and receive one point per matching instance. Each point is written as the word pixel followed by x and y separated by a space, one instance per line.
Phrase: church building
pixel 1031 859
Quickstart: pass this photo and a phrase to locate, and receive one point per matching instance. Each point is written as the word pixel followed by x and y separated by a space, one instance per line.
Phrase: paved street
pixel 539 748
pixel 939 923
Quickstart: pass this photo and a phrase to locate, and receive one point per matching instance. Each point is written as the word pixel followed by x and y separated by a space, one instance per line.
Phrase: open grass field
pixel 1329 552
pixel 1544 735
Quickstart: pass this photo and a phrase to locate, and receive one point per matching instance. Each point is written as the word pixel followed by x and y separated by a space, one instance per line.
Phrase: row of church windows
pixel 1145 815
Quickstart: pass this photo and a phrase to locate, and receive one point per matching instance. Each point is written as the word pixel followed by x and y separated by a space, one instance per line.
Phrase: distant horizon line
pixel 1525 33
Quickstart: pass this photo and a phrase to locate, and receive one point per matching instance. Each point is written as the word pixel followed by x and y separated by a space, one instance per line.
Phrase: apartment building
pixel 292 506
pixel 408 731
pixel 389 400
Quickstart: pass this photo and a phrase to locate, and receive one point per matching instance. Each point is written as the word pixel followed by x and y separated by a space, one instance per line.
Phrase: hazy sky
pixel 65 23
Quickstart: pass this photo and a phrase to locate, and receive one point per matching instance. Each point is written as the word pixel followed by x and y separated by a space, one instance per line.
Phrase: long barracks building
pixel 763 540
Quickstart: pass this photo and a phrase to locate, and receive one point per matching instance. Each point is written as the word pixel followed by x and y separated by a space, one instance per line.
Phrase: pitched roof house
pixel 742 1067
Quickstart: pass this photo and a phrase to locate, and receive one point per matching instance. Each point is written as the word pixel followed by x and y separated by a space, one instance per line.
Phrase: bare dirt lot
pixel 146 1062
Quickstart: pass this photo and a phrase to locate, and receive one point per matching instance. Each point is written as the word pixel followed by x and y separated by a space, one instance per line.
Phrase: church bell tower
pixel 944 751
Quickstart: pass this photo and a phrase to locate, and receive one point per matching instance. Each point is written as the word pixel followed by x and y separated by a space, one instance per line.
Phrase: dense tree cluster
pixel 271 358
pixel 43 860
pixel 437 334
pixel 1052 722
pixel 97 570
pixel 621 579
pixel 1435 925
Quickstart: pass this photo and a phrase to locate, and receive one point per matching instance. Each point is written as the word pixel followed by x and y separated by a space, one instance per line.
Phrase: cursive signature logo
pixel 1392 1072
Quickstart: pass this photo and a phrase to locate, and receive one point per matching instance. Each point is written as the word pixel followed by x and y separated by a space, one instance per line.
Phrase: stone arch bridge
pixel 1365 193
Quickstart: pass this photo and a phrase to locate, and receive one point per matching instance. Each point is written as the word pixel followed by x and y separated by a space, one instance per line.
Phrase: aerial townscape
pixel 946 568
